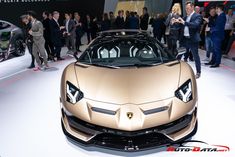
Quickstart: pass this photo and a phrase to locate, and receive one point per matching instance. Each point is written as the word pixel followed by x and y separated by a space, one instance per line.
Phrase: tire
pixel 19 47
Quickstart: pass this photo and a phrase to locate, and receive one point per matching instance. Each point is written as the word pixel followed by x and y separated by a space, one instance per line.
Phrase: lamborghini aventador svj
pixel 126 92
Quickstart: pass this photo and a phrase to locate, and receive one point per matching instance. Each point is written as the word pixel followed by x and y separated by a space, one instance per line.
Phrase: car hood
pixel 128 85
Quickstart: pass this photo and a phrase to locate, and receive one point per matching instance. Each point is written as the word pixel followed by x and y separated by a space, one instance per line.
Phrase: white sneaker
pixel 42 68
pixel 206 59
pixel 70 53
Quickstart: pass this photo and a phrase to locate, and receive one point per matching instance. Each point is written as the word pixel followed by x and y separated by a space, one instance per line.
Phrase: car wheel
pixel 19 47
pixel 3 56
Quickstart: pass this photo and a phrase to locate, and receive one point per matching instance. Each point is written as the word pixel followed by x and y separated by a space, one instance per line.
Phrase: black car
pixel 11 40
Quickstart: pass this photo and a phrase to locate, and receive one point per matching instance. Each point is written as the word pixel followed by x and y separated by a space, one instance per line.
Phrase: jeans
pixel 188 55
pixel 216 57
pixel 209 46
pixel 193 46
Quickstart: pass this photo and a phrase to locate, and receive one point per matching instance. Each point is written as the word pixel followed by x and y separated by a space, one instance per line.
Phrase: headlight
pixel 184 92
pixel 73 94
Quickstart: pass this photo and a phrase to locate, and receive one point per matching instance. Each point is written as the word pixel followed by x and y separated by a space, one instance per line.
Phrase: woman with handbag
pixel 173 29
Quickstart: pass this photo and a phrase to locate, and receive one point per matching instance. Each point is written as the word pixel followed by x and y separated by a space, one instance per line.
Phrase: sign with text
pixel 11 10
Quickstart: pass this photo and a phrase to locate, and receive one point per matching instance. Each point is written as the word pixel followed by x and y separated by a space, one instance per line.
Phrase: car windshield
pixel 124 52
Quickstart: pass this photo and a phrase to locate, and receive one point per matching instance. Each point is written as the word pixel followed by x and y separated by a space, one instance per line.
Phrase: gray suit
pixel 70 39
pixel 38 42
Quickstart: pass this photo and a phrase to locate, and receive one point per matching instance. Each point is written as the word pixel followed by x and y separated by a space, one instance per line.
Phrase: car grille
pixel 131 143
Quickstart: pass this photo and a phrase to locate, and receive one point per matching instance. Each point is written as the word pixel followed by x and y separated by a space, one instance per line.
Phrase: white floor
pixel 30 113
pixel 14 65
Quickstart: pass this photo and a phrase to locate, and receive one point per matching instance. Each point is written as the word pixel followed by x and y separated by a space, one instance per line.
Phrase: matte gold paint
pixel 129 92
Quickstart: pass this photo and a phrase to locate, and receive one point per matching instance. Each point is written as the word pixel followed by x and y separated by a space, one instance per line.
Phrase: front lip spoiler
pixel 120 142
pixel 130 148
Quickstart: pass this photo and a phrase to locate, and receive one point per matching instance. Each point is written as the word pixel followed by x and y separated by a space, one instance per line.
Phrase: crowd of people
pixel 198 29
pixel 45 38
pixel 212 31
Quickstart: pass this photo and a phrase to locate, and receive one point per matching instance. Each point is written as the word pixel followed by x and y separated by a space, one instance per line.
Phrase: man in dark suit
pixel 144 19
pixel 69 33
pixel 112 20
pixel 133 21
pixel 158 27
pixel 191 33
pixel 94 28
pixel 56 35
pixel 79 31
pixel 217 36
pixel 119 22
pixel 47 34
pixel 90 28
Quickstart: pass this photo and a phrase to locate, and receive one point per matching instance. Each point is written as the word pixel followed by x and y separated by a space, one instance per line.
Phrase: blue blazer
pixel 217 29
pixel 194 26
pixel 133 23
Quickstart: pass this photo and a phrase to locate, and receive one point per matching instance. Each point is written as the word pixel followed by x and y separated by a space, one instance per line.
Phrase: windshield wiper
pixel 141 64
pixel 103 65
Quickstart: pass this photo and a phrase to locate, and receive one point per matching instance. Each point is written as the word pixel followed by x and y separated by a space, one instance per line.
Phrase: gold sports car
pixel 126 92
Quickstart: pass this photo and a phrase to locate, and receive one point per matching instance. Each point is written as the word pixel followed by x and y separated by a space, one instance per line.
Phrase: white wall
pixel 110 5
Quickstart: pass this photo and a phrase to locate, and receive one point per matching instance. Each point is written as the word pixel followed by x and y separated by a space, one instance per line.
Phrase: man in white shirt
pixel 186 29
pixel 191 33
